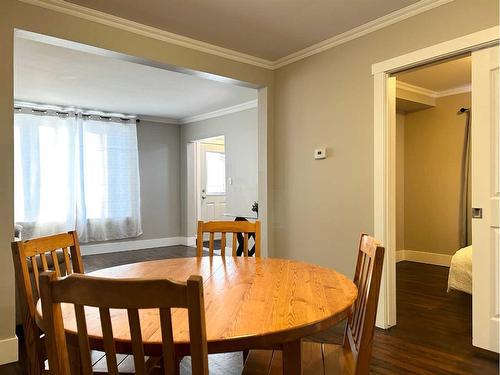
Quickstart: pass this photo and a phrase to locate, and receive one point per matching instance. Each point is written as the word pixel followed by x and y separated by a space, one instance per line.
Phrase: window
pixel 216 173
pixel 76 173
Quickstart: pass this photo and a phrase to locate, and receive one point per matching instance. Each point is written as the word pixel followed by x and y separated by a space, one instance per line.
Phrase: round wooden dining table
pixel 250 303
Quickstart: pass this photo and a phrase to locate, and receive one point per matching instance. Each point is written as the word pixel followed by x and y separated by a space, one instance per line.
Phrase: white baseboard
pixel 113 247
pixel 8 350
pixel 423 257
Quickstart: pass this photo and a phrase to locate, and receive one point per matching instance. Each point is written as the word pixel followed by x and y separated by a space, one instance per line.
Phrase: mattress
pixel 460 276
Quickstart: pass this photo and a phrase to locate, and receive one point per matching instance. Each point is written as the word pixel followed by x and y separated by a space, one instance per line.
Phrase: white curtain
pixel 76 172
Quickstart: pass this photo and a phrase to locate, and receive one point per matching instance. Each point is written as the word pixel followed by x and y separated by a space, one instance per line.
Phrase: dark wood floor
pixel 433 335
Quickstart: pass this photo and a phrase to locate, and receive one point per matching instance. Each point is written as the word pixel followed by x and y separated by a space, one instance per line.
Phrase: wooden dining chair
pixel 127 294
pixel 245 228
pixel 30 258
pixel 353 356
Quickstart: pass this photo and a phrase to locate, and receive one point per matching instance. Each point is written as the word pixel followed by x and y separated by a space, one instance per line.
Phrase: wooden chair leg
pixel 32 342
pixel 245 355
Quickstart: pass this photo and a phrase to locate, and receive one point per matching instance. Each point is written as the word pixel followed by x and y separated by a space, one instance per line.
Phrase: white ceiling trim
pixel 367 28
pixel 455 91
pixel 416 89
pixel 155 33
pixel 431 93
pixel 148 31
pixel 220 112
pixel 204 116
pixel 161 120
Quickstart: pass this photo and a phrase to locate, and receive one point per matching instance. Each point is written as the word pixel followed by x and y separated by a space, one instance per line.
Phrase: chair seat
pixel 317 358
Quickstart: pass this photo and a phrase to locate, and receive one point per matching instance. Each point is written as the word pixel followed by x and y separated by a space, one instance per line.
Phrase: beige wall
pixel 400 181
pixel 433 150
pixel 327 99
pixel 15 14
pixel 317 209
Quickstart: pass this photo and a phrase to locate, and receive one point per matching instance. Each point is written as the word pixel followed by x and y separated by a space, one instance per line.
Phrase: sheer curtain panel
pixel 76 172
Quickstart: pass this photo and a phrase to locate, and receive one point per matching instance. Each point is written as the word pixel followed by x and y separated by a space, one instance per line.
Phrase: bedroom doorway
pixel 433 200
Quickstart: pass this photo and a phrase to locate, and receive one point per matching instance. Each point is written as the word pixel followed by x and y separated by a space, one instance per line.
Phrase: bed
pixel 460 276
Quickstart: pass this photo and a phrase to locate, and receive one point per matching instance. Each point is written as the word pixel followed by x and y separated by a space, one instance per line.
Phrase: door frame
pixel 384 156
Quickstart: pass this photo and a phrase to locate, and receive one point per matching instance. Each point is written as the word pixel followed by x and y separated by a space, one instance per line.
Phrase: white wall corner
pixel 189 241
pixel 8 350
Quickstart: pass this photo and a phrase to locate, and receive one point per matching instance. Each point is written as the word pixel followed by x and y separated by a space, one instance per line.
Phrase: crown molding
pixel 220 112
pixel 431 93
pixel 357 32
pixel 454 91
pixel 79 11
pixel 204 116
pixel 155 33
pixel 159 119
pixel 416 89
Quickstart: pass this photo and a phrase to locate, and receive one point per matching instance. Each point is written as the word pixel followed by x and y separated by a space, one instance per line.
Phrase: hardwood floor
pixel 434 330
pixel 433 335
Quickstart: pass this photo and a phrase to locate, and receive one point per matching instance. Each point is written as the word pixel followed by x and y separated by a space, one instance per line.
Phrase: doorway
pixel 433 205
pixel 211 173
pixel 484 88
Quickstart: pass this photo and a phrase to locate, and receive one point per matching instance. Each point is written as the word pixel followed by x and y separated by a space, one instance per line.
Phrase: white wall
pixel 240 132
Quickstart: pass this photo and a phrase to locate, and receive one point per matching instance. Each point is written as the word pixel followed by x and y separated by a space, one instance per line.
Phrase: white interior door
pixel 485 198
pixel 212 182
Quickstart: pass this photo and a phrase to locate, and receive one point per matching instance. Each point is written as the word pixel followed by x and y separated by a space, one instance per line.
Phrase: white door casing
pixel 485 196
pixel 212 203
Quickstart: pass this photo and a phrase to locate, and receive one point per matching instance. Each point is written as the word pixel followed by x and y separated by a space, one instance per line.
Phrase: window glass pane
pixel 216 172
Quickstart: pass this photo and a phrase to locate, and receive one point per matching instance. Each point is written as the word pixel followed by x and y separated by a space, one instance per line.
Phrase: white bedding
pixel 460 276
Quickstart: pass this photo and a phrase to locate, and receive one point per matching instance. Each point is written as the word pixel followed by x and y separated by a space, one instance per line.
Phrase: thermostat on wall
pixel 320 153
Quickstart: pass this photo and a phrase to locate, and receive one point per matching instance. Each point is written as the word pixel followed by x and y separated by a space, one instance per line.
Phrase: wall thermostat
pixel 320 153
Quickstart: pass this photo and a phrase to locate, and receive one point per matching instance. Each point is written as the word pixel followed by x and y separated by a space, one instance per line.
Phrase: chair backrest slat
pixel 360 327
pixel 29 256
pixel 131 295
pixel 108 341
pixel 34 267
pixel 136 338
pixel 236 228
pixel 83 339
pixel 223 244
pixel 67 261
pixel 43 259
pixel 55 262
pixel 211 244
pixel 168 352
pixel 235 244
pixel 245 244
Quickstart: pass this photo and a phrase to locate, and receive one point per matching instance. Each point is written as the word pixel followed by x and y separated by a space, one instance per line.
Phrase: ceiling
pixel 262 28
pixel 60 76
pixel 440 77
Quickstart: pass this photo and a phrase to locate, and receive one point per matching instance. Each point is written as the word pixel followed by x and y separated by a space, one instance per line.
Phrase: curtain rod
pixel 52 110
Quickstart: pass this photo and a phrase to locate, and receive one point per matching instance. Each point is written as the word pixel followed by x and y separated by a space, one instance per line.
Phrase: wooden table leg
pixel 292 358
